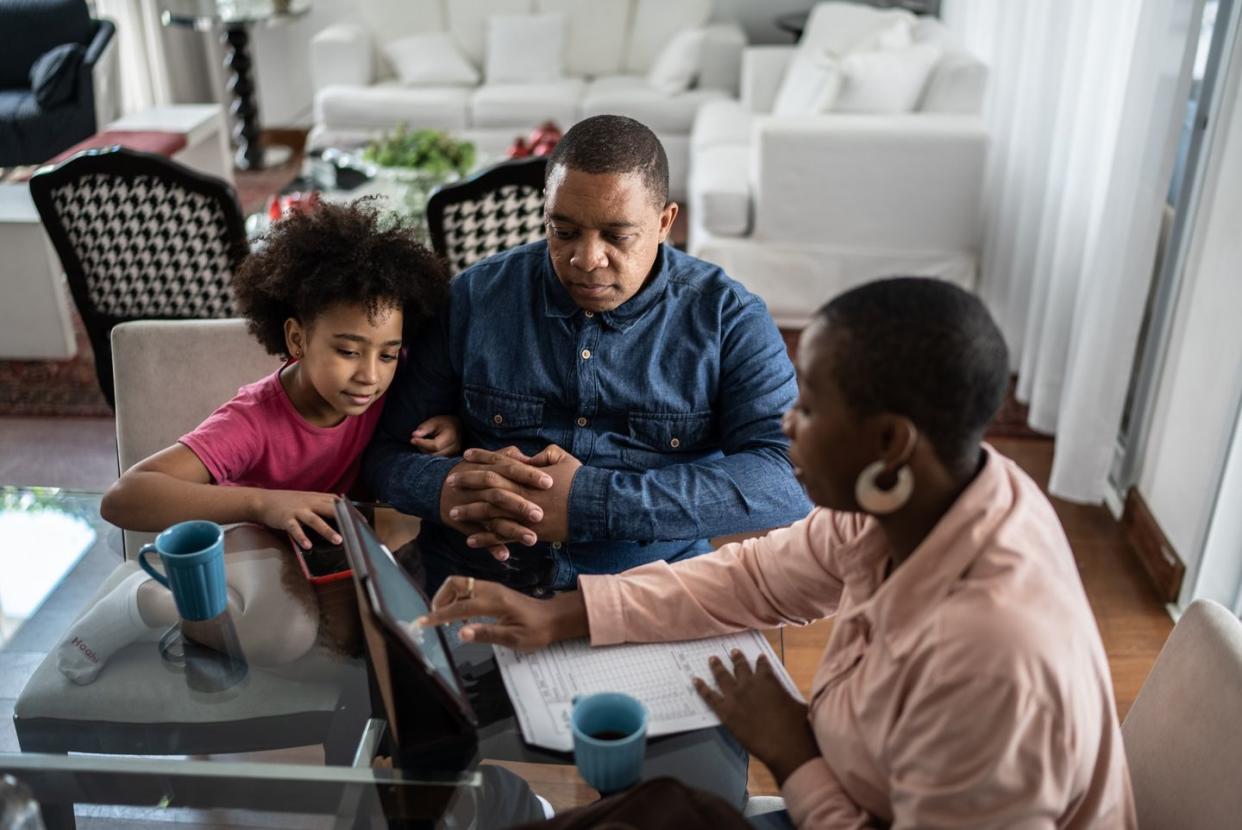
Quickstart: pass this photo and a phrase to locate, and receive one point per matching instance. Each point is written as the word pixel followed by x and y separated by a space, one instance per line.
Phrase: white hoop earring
pixel 880 502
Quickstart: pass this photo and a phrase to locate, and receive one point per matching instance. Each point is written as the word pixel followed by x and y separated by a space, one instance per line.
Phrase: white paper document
pixel 542 684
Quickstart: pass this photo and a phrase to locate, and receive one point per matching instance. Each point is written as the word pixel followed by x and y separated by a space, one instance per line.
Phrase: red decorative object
pixel 279 205
pixel 541 141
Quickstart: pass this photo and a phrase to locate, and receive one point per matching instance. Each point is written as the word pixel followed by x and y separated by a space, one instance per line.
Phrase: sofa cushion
pixel 721 122
pixel 430 59
pixel 387 104
pixel 595 34
pixel 633 96
pixel 54 76
pixel 467 22
pixel 677 65
pixel 811 84
pixel 885 82
pixel 720 189
pixel 841 27
pixel 656 22
pixel 525 105
pixel 525 48
pixel 389 20
pixel 956 85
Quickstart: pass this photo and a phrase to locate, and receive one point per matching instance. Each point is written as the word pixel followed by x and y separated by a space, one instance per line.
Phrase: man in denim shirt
pixel 622 399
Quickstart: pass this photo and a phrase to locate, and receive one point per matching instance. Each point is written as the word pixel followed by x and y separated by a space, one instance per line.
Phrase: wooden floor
pixel 1133 621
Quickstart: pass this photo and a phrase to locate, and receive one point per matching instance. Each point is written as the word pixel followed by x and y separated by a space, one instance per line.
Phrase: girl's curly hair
pixel 336 253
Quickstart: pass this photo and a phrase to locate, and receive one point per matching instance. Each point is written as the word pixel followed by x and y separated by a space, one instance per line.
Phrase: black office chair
pixel 140 238
pixel 498 209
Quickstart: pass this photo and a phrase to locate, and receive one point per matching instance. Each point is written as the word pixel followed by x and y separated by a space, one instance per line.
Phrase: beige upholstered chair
pixel 1183 735
pixel 170 374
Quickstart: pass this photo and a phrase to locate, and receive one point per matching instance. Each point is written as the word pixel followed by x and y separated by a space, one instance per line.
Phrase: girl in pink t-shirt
pixel 333 291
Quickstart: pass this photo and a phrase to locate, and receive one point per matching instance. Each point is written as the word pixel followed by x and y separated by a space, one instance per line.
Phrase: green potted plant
pixel 418 161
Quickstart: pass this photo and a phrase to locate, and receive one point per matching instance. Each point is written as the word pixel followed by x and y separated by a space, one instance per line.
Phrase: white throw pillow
pixel 896 35
pixel 430 59
pixel 678 63
pixel 810 86
pixel 885 82
pixel 525 48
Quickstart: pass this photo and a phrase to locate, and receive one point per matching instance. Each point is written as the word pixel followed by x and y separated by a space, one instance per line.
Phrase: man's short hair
pixel 615 144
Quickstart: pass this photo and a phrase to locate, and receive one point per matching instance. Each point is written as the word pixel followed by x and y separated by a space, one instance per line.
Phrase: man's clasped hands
pixel 505 496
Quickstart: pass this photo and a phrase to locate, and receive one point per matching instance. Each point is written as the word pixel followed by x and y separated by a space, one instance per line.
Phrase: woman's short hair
pixel 925 349
pixel 615 144
pixel 336 253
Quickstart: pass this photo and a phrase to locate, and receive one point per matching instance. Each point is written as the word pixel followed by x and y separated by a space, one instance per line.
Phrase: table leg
pixel 245 108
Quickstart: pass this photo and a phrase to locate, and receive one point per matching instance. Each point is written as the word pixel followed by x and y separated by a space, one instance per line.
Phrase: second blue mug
pixel 610 739
pixel 193 555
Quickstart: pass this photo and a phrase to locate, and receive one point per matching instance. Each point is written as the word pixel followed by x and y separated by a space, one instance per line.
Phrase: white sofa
pixel 802 207
pixel 610 45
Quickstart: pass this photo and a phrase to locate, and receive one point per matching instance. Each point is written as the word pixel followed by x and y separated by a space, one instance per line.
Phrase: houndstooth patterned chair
pixel 498 209
pixel 140 237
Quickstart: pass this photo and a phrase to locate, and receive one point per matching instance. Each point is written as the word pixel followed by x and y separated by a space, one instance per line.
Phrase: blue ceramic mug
pixel 610 739
pixel 193 554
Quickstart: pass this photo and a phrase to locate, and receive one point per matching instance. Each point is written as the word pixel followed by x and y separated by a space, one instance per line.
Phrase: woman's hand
pixel 520 621
pixel 289 510
pixel 765 718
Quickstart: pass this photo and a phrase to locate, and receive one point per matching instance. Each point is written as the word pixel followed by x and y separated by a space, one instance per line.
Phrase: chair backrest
pixel 498 209
pixel 139 237
pixel 170 375
pixel 1183 735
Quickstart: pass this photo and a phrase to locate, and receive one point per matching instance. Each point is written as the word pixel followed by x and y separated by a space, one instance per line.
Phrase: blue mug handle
pixel 146 566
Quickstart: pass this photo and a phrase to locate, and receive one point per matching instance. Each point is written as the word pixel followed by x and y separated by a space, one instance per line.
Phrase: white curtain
pixel 1084 105
pixel 145 78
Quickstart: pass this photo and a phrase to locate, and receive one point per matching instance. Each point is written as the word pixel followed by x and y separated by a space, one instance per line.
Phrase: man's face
pixel 604 232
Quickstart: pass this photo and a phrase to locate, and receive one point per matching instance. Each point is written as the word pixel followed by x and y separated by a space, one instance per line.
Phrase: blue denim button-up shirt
pixel 672 402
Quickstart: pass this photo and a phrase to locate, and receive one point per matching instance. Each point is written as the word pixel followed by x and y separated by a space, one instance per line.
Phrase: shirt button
pixel 556 546
pixel 586 354
pixel 582 422
pixel 589 313
pixel 498 418
pixel 675 443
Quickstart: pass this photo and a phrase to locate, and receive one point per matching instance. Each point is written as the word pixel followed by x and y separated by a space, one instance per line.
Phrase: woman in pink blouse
pixel 965 684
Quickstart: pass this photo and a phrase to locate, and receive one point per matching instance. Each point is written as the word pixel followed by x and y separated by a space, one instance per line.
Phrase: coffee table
pixel 288 788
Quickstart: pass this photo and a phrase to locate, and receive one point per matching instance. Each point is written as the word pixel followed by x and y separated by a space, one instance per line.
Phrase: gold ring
pixel 470 587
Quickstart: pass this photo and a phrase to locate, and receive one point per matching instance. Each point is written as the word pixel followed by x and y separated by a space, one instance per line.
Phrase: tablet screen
pixel 403 601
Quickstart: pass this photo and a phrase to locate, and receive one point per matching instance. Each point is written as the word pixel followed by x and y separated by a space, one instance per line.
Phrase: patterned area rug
pixel 53 387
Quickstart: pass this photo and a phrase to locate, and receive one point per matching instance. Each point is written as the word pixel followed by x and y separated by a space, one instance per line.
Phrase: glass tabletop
pixel 208 14
pixel 169 723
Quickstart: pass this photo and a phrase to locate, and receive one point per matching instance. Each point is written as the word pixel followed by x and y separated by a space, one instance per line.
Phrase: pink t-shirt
pixel 258 439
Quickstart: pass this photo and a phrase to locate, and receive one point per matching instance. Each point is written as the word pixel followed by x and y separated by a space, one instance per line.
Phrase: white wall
pixel 1201 381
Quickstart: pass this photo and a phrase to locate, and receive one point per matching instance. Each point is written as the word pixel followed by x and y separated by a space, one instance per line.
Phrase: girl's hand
pixel 519 621
pixel 289 510
pixel 770 723
pixel 438 435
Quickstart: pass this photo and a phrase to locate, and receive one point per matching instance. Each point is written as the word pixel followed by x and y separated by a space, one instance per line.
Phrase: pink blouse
pixel 969 689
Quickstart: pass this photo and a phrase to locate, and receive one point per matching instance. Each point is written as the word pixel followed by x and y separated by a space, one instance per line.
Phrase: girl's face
pixel 346 360
pixel 829 446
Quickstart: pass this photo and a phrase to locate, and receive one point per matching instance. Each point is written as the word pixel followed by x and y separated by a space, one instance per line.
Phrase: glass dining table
pixel 159 739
